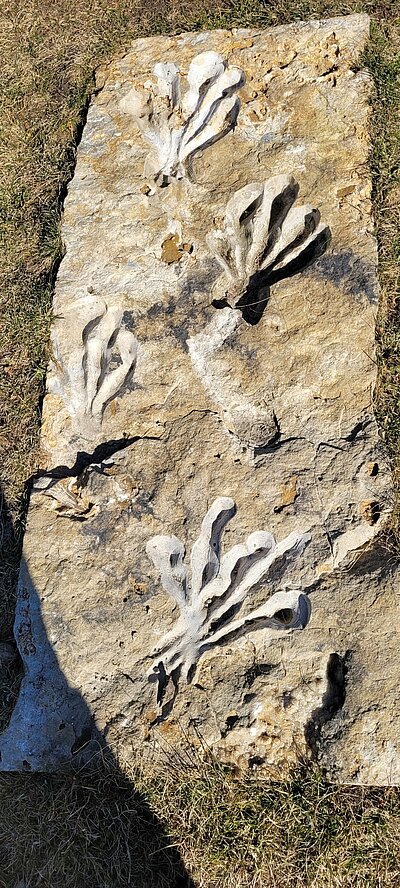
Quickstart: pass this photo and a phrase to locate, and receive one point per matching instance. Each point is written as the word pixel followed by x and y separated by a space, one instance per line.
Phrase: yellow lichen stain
pixel 169 729
pixel 345 191
pixel 137 588
pixel 289 493
pixel 172 250
pixel 254 116
pixel 240 43
pixel 248 94
pixel 323 568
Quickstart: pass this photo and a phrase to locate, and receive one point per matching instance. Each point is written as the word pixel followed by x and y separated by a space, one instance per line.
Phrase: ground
pixel 106 828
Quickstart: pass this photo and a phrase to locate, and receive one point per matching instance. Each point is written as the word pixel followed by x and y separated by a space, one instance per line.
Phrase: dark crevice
pixel 275 443
pixel 250 211
pixel 226 617
pixel 220 303
pixel 332 700
pixel 255 761
pixel 230 723
pixel 280 207
pixel 256 671
pixel 82 740
pixel 311 222
pixel 307 257
pixel 254 300
pixel 359 427
pixel 165 684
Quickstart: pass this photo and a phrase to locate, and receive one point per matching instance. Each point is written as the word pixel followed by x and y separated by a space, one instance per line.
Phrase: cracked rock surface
pixel 186 403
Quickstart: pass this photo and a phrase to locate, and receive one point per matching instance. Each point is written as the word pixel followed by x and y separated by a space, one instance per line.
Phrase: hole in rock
pixel 287 699
pixel 284 616
pixel 220 303
pixel 230 721
pixel 332 701
pixel 255 761
pixel 257 670
pixel 248 698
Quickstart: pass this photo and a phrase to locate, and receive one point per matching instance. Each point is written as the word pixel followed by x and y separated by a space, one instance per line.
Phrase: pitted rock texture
pixel 186 401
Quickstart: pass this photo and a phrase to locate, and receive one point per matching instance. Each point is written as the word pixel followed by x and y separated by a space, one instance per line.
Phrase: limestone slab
pixel 205 564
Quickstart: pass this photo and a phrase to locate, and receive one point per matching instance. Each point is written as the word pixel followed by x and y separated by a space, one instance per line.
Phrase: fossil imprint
pixel 265 239
pixel 211 599
pixel 97 371
pixel 178 125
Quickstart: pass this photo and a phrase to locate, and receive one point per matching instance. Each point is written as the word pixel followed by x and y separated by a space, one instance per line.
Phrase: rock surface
pixel 214 369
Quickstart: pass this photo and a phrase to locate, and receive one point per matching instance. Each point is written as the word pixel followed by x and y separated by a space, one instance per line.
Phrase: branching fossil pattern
pixel 97 371
pixel 265 239
pixel 210 601
pixel 176 125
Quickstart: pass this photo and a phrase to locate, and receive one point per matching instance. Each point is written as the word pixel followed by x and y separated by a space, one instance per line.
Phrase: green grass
pixel 97 828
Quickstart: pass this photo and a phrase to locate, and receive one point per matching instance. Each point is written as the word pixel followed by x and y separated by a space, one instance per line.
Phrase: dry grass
pixel 95 828
pixel 98 829
pixel 300 834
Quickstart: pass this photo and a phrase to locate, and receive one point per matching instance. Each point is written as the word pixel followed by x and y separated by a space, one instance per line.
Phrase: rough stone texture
pixel 276 415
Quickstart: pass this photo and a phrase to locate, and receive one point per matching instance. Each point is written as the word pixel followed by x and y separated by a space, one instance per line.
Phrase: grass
pixel 106 828
pixel 98 828
pixel 300 833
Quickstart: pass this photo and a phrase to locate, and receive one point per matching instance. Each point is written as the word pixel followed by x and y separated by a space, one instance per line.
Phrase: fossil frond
pixel 265 239
pixel 97 371
pixel 210 602
pixel 178 125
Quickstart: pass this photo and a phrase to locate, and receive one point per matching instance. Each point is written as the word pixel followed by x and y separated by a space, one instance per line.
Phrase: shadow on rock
pixel 72 816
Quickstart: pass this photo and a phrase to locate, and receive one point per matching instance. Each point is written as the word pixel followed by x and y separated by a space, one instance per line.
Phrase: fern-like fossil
pixel 178 123
pixel 97 371
pixel 265 239
pixel 211 600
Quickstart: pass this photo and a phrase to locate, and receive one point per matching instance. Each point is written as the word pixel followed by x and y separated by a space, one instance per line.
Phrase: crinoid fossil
pixel 98 370
pixel 178 125
pixel 265 239
pixel 211 600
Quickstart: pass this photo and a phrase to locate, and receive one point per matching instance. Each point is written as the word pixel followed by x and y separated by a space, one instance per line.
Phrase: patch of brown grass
pixel 96 828
pixel 245 833
pixel 91 829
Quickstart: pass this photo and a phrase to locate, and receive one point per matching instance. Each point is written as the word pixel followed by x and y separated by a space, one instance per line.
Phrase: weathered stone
pixel 214 352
